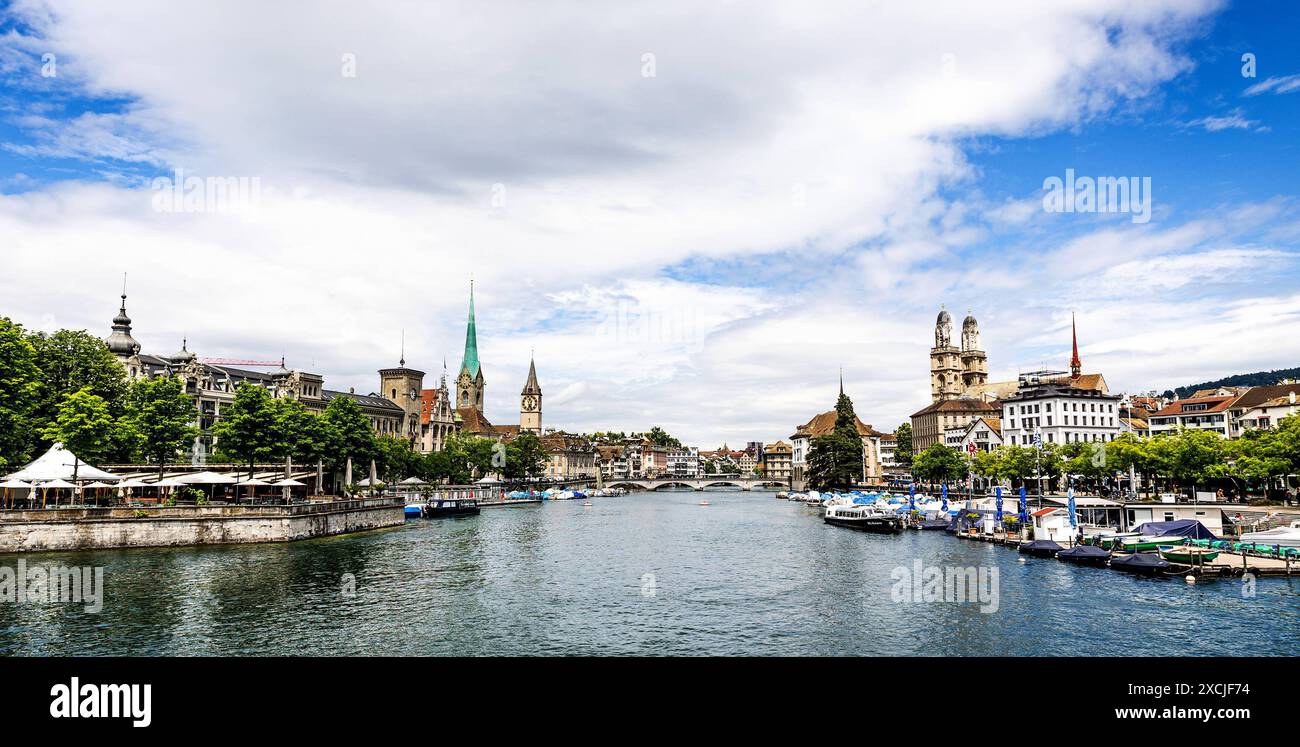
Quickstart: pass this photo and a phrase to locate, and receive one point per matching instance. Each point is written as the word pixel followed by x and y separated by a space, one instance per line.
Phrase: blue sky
pixel 790 191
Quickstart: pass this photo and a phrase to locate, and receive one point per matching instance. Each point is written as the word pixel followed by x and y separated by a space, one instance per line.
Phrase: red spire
pixel 1076 366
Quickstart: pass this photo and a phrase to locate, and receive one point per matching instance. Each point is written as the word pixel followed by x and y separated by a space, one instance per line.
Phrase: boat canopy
pixel 1180 528
pixel 1139 560
pixel 1041 546
pixel 1084 552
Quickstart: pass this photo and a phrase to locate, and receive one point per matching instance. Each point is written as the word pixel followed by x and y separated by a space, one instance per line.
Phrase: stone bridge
pixel 701 483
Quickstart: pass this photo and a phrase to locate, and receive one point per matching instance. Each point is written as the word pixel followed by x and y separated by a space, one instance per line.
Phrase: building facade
pixel 778 461
pixel 1059 413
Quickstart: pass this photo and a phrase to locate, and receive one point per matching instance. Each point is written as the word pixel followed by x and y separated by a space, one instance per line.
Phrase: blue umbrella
pixel 911 496
pixel 944 508
pixel 998 493
pixel 1024 512
pixel 1074 519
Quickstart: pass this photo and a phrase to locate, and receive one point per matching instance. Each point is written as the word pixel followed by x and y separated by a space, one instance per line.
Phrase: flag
pixel 1024 511
pixel 998 492
pixel 944 508
pixel 1074 519
pixel 911 496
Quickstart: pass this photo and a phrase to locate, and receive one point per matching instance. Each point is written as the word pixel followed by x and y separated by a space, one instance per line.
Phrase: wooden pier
pixel 1227 564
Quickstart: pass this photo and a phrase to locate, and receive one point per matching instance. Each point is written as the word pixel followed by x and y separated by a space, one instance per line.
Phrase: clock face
pixel 530 403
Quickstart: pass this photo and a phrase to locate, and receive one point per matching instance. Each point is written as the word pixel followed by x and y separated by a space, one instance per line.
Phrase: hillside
pixel 1259 378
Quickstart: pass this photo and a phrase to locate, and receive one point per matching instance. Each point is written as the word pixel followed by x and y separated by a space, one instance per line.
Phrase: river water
pixel 645 574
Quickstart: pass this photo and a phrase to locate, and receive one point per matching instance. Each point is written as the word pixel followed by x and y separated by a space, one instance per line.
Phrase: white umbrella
pixel 169 482
pixel 207 478
pixel 55 485
pixel 288 483
pixel 97 485
pixel 253 482
pixel 58 484
pixel 14 485
pixel 413 481
pixel 134 482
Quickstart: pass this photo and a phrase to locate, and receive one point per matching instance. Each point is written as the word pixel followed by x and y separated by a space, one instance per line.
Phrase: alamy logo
pixel 1104 194
pixel 922 584
pixel 75 700
pixel 53 585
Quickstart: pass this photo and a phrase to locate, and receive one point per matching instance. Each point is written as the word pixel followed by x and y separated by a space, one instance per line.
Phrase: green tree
pixel 525 457
pixel 939 463
pixel 835 459
pixel 83 425
pixel 246 430
pixel 395 460
pixel 903 445
pixel 19 394
pixel 469 458
pixel 351 434
pixel 72 361
pixel 659 437
pixel 160 419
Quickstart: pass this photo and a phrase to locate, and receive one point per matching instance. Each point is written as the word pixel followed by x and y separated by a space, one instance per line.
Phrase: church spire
pixel 531 386
pixel 1076 366
pixel 470 360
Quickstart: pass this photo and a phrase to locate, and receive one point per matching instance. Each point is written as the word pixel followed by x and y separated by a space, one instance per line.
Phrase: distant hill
pixel 1260 378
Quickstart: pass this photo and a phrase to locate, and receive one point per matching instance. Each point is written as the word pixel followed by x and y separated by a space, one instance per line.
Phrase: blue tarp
pixel 1180 528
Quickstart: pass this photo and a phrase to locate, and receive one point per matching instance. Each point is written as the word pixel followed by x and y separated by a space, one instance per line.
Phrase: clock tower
pixel 530 404
pixel 402 386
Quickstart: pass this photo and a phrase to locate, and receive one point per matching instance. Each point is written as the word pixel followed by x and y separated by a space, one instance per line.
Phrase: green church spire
pixel 470 360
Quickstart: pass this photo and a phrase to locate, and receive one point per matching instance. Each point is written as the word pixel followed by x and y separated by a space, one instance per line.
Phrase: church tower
pixel 470 382
pixel 974 362
pixel 403 386
pixel 945 362
pixel 1076 365
pixel 121 344
pixel 530 403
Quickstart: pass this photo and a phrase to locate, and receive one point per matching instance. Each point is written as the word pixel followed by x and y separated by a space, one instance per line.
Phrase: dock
pixel 1227 564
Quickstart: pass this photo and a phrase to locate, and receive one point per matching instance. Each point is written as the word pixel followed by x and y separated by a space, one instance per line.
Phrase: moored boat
pixel 1146 543
pixel 1041 548
pixel 1187 555
pixel 1142 563
pixel 444 507
pixel 1084 555
pixel 865 518
pixel 1281 536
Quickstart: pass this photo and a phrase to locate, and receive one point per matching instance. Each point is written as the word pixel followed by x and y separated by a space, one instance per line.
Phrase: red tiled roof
pixel 1214 404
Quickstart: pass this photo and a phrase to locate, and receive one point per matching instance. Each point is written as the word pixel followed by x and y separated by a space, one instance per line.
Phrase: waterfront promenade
pixel 37 530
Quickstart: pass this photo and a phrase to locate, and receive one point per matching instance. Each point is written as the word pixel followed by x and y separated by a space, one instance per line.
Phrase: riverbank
pixel 179 526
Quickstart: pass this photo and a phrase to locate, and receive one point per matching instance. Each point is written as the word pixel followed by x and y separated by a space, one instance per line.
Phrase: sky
pixel 692 215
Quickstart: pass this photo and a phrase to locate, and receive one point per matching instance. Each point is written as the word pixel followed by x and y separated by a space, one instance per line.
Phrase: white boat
pixel 1283 536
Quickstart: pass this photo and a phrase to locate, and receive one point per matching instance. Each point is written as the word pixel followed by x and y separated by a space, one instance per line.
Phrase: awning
pixel 207 478
pixel 57 464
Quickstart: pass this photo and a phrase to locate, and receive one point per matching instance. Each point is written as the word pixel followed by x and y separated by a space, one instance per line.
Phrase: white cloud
pixel 816 140
pixel 1279 85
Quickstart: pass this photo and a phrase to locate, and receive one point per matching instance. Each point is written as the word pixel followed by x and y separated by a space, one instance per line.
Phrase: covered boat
pixel 1085 555
pixel 1040 548
pixel 1188 528
pixel 1146 564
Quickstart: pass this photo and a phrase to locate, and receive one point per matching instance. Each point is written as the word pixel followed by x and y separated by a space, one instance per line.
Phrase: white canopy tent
pixel 59 464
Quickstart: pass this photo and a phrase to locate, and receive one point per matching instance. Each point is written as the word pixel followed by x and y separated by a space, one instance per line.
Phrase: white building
pixel 1061 411
pixel 684 463
pixel 985 434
